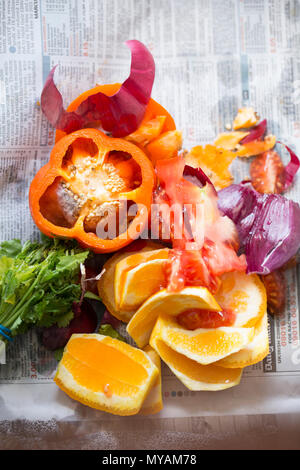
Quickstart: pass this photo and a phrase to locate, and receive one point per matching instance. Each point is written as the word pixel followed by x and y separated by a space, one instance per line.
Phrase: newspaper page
pixel 212 57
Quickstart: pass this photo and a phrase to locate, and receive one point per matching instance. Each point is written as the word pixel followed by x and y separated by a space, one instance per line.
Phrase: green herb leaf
pixel 10 248
pixel 39 282
pixel 58 354
pixel 91 295
pixel 108 330
pixel 64 320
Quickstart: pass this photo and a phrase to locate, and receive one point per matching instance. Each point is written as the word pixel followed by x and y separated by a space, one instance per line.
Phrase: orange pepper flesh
pixel 135 176
pixel 121 170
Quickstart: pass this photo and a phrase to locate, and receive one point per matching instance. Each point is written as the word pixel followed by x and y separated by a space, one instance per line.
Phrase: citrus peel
pixel 254 351
pixel 138 276
pixel 214 161
pixel 153 401
pixel 245 118
pixel 203 345
pixel 105 373
pixel 243 294
pixel 193 375
pixel 143 321
pixel 106 282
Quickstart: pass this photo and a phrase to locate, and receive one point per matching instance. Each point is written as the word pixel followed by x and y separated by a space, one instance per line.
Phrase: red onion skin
pixel 268 226
pixel 120 114
pixel 196 176
pixel 291 168
pixel 256 133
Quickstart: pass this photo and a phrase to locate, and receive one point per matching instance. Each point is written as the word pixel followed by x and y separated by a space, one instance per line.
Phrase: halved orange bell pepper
pixel 90 174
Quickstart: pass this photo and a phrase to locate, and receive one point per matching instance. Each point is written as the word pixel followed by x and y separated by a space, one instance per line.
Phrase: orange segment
pixel 256 147
pixel 174 303
pixel 203 345
pixel 246 117
pixel 105 373
pixel 214 162
pixel 147 131
pixel 245 295
pixel 165 146
pixel 229 140
pixel 254 352
pixel 153 402
pixel 138 276
pixel 106 282
pixel 193 375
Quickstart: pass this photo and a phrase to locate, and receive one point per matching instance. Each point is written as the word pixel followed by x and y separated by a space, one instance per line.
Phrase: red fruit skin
pixel 109 319
pixel 268 173
pixel 275 285
pixel 55 337
pixel 197 318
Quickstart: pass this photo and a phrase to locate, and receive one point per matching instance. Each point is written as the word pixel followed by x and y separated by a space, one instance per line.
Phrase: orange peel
pixel 256 147
pixel 243 294
pixel 153 402
pixel 143 321
pixel 214 161
pixel 229 140
pixel 106 374
pixel 253 352
pixel 193 375
pixel 139 276
pixel 203 345
pixel 246 117
pixel 105 284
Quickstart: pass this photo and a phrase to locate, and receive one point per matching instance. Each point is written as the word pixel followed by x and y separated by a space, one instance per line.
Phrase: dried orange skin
pixel 214 161
pixel 106 374
pixel 267 173
pixel 256 147
pixel 245 118
pixel 229 140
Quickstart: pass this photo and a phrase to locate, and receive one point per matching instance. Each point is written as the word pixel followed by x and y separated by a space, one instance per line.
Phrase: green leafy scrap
pixel 39 282
pixel 107 330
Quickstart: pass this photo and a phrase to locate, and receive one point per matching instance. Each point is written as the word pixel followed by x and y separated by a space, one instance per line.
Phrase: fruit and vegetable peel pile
pixel 195 288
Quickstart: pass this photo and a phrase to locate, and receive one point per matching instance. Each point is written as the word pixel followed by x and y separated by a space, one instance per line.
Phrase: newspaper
pixel 212 57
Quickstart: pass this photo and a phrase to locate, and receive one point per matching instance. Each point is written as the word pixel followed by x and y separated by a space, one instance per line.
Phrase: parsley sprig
pixel 39 283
